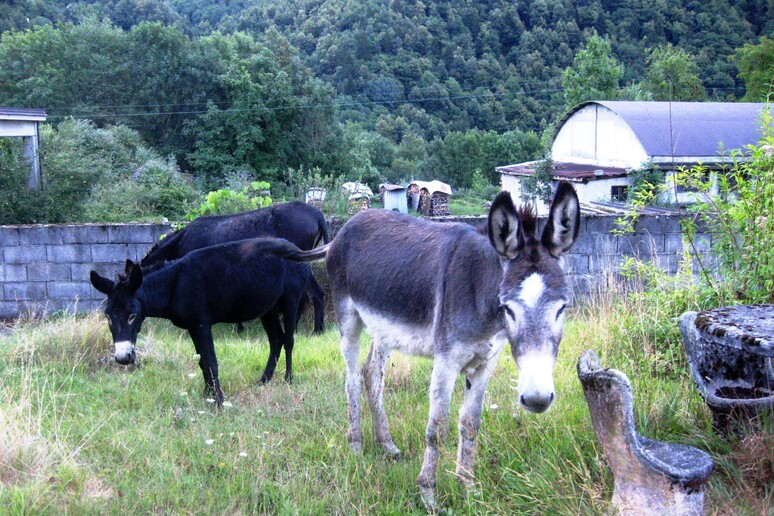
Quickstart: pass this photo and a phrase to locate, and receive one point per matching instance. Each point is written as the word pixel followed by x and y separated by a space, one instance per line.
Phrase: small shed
pixel 393 197
pixel 430 197
pixel 25 123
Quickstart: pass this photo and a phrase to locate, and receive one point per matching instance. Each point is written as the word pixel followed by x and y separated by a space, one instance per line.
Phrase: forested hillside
pixel 364 88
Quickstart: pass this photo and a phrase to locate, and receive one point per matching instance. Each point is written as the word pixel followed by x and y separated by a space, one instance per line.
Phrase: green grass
pixel 84 435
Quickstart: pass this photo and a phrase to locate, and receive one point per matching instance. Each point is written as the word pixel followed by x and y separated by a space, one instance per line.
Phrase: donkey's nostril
pixel 552 397
pixel 536 403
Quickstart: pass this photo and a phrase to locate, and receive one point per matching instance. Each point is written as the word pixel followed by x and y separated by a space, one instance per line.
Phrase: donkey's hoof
pixel 428 497
pixel 264 380
pixel 356 447
pixel 391 451
pixel 469 487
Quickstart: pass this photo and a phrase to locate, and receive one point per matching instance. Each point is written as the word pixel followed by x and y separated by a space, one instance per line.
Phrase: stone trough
pixel 729 350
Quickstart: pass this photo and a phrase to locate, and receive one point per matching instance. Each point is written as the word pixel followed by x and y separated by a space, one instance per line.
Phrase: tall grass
pixel 82 434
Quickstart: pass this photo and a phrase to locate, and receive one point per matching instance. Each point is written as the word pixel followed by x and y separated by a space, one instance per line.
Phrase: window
pixel 618 193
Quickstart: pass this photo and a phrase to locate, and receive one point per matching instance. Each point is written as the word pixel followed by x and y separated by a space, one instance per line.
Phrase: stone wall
pixel 46 268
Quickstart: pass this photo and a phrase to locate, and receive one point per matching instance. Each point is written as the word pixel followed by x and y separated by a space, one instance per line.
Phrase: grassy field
pixel 80 434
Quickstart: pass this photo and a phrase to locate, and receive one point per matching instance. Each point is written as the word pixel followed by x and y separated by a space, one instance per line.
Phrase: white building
pixel 596 144
pixel 25 123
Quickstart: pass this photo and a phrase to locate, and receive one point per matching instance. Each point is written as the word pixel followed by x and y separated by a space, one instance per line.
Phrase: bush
pixel 18 204
pixel 221 202
pixel 741 220
pixel 155 189
pixel 91 174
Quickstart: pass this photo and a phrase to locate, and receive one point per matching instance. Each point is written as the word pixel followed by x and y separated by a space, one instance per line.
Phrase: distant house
pixel 597 144
pixel 24 123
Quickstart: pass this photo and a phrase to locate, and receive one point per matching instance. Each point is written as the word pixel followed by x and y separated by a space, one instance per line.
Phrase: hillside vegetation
pixel 367 90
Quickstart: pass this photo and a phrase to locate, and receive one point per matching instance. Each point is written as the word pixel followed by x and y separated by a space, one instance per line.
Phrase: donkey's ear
pixel 503 226
pixel 128 267
pixel 563 222
pixel 104 285
pixel 134 274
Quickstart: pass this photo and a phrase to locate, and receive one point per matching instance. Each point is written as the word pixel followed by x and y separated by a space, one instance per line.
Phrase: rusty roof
pixel 573 172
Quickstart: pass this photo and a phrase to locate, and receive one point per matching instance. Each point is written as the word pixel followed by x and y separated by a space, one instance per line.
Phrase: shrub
pixel 18 204
pixel 741 220
pixel 224 201
pixel 156 188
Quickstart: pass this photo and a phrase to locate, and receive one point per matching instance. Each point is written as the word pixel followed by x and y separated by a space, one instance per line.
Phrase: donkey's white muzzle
pixel 125 352
pixel 536 382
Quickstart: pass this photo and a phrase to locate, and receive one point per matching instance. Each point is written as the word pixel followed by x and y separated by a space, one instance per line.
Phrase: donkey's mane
pixel 164 241
pixel 528 220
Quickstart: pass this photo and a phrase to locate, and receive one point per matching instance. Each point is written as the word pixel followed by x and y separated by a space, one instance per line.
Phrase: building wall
pixel 596 135
pixel 596 190
pixel 593 263
pixel 599 189
pixel 46 268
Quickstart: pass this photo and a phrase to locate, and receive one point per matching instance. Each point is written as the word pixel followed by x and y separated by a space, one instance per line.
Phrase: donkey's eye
pixel 132 318
pixel 561 311
pixel 508 311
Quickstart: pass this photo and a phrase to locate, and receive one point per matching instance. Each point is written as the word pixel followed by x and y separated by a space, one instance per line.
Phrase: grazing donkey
pixel 446 291
pixel 231 283
pixel 295 221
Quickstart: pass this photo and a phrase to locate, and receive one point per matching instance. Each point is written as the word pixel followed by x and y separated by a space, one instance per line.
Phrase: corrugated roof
pixel 9 113
pixel 433 186
pixel 573 172
pixel 697 128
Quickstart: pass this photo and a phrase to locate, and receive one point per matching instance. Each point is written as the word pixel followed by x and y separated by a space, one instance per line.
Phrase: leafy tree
pixel 672 75
pixel 756 67
pixel 595 74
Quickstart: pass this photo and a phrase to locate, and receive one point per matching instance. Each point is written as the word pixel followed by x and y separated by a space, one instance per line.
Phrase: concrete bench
pixel 730 366
pixel 651 477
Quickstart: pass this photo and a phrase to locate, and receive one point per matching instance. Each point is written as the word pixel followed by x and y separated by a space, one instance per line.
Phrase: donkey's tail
pixel 318 253
pixel 283 249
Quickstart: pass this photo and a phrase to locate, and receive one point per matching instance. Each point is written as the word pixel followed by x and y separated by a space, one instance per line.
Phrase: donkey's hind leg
pixel 350 326
pixel 373 373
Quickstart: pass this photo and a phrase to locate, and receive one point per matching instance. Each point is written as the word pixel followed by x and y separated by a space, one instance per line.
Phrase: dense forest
pixel 364 89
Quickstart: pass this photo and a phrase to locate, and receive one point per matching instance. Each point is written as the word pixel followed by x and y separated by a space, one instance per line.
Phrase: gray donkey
pixel 448 292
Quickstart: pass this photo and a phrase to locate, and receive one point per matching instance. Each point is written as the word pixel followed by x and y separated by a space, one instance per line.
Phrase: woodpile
pixel 358 204
pixel 430 198
pixel 434 205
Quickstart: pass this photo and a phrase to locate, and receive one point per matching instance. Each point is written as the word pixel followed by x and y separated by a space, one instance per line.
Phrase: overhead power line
pixel 95 111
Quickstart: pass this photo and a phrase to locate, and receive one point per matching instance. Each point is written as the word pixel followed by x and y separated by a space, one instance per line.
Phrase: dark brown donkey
pixel 231 283
pixel 448 292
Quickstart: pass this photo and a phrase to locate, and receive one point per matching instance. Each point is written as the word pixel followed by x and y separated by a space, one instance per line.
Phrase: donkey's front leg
pixel 441 386
pixel 373 374
pixel 208 362
pixel 470 420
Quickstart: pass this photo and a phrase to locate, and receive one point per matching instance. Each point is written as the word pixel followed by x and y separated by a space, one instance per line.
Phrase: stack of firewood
pixel 439 204
pixel 356 205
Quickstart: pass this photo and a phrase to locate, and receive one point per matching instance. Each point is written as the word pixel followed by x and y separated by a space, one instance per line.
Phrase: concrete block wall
pixel 46 268
pixel 595 259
